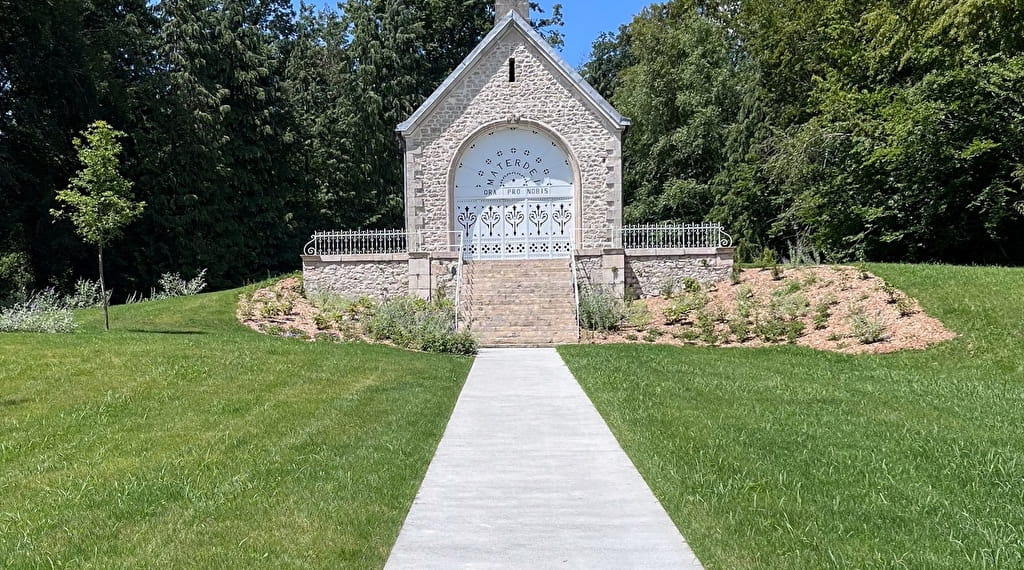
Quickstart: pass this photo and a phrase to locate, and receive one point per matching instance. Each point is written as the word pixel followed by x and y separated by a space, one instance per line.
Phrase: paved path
pixel 529 476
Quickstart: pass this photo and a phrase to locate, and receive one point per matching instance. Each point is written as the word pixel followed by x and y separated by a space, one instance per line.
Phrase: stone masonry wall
pixel 377 278
pixel 540 96
pixel 646 273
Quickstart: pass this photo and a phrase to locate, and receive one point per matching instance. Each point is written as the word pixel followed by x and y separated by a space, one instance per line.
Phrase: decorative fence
pixel 358 242
pixel 651 236
pixel 680 236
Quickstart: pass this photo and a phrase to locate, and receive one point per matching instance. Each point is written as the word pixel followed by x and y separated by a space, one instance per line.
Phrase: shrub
pixel 821 315
pixel 906 306
pixel 867 330
pixel 44 312
pixel 767 259
pixel 739 328
pixel 328 302
pixel 600 310
pixel 735 274
pixel 324 321
pixel 746 303
pixel 86 295
pixel 691 285
pixel 794 330
pixel 638 316
pixel 792 306
pixel 789 287
pixel 679 311
pixel 411 322
pixel 892 294
pixel 770 327
pixel 667 288
pixel 653 335
pixel 706 327
pixel 15 278
pixel 862 271
pixel 172 285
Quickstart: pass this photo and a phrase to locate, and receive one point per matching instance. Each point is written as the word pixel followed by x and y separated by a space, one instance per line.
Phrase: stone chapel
pixel 513 199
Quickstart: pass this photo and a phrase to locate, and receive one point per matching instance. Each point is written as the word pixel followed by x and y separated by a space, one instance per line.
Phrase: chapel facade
pixel 513 202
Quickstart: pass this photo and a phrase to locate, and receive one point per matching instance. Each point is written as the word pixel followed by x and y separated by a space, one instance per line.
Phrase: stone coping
pixel 369 257
pixel 588 252
pixel 665 252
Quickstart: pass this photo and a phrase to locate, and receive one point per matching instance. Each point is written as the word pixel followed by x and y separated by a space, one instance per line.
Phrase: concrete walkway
pixel 529 476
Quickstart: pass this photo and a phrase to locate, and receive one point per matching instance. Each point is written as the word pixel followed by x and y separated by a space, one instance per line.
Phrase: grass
pixel 182 439
pixel 787 457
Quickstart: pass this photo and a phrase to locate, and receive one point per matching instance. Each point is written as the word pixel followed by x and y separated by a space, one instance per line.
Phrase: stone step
pixel 519 302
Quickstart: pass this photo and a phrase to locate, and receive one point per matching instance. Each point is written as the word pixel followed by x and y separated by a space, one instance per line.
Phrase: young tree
pixel 98 200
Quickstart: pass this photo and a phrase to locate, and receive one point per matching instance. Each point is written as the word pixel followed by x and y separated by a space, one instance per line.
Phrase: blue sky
pixel 584 21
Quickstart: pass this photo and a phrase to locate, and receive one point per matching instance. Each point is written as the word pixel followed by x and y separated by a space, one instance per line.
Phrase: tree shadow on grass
pixel 171 332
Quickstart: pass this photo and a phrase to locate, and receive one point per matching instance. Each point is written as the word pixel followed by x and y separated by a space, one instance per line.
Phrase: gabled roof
pixel 514 20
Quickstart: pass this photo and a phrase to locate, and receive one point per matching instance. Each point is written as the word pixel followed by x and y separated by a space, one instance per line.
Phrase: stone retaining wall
pixel 647 271
pixel 644 271
pixel 353 276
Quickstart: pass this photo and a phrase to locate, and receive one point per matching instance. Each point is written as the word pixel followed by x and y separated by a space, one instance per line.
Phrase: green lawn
pixel 791 458
pixel 181 439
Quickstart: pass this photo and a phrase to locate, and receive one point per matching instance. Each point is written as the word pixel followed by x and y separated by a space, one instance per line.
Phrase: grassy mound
pixel 785 457
pixel 183 439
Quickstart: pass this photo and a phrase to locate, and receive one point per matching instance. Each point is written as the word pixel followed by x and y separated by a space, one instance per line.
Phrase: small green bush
pixel 770 327
pixel 638 316
pixel 794 330
pixel 739 328
pixel 667 288
pixel 789 287
pixel 821 315
pixel 43 312
pixel 86 295
pixel 906 306
pixel 691 285
pixel 792 306
pixel 411 322
pixel 867 330
pixel 172 285
pixel 892 294
pixel 735 274
pixel 600 310
pixel 679 311
pixel 706 327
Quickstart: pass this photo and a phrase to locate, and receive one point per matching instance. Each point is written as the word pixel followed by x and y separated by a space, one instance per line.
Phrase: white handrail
pixel 575 283
pixel 458 279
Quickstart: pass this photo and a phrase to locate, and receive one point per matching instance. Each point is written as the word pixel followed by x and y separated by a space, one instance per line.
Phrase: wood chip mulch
pixel 845 290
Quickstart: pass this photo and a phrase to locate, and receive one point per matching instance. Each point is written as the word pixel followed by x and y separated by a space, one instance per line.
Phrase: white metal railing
pixel 674 236
pixel 575 284
pixel 358 242
pixel 458 280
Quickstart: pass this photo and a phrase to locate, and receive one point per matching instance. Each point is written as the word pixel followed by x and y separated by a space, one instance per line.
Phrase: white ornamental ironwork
pixel 514 194
pixel 680 236
pixel 357 242
pixel 515 229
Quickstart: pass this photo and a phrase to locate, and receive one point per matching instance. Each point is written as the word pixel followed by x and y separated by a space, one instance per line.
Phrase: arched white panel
pixel 514 191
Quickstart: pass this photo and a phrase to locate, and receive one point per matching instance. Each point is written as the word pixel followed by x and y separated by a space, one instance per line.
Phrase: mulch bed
pixel 846 291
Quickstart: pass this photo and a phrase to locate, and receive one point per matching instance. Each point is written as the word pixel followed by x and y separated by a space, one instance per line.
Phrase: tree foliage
pixel 249 125
pixel 866 129
pixel 98 200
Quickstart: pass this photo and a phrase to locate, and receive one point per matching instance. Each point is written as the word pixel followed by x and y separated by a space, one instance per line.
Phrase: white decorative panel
pixel 514 196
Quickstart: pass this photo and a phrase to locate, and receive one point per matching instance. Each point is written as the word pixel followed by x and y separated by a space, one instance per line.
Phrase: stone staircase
pixel 519 303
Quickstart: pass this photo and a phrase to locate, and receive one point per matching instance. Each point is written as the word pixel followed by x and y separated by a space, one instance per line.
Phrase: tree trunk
pixel 103 294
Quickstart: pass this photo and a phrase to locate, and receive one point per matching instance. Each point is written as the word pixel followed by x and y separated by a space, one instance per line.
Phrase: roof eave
pixel 556 60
